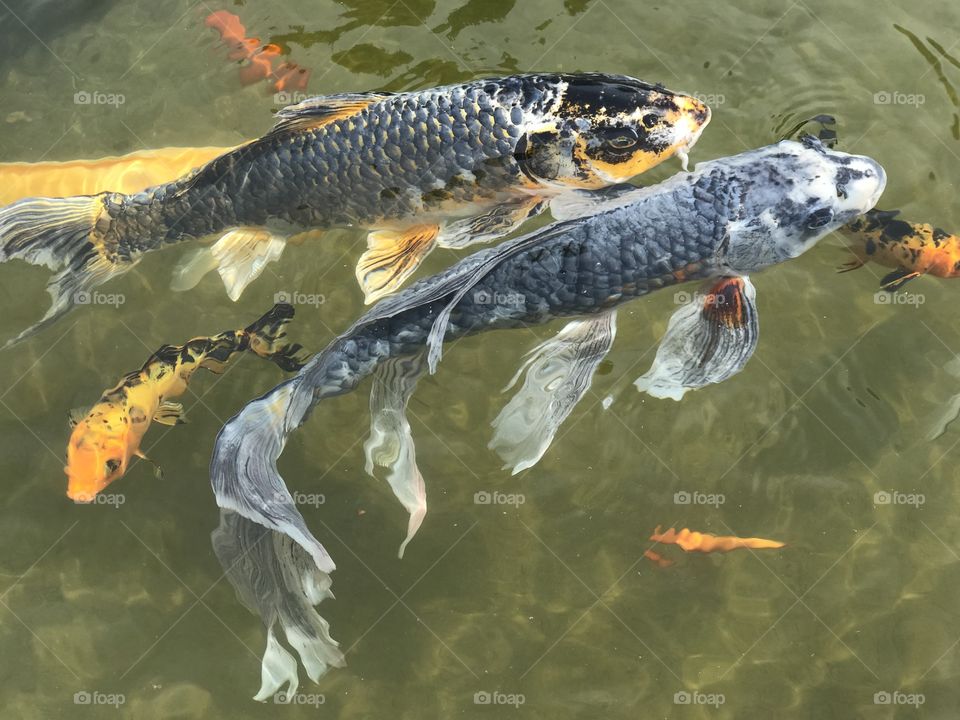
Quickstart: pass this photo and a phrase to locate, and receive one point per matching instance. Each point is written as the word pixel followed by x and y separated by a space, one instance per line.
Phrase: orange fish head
pixel 96 456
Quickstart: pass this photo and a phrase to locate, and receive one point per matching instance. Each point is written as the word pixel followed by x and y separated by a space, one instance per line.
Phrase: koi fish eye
pixel 819 218
pixel 620 139
pixel 112 465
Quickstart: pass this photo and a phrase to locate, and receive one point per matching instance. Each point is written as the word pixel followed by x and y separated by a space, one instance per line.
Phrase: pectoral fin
pixel 708 340
pixel 558 373
pixel 170 413
pixel 76 415
pixel 157 470
pixel 192 268
pixel 895 280
pixel 578 203
pixel 498 221
pixel 390 444
pixel 240 256
pixel 391 257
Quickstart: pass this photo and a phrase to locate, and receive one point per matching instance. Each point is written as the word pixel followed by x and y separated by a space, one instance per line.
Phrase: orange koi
pixel 912 249
pixel 261 61
pixel 107 437
pixel 690 541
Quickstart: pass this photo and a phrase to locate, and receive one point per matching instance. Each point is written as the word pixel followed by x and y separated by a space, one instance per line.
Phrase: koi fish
pixel 107 437
pixel 729 217
pixel 448 166
pixel 692 541
pixel 261 61
pixel 912 249
pixel 124 174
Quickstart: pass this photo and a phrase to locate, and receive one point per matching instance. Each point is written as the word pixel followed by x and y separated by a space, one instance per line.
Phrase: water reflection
pixel 363 14
pixel 474 12
pixel 937 67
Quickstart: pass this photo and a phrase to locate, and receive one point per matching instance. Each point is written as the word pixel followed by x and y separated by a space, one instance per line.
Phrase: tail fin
pixel 267 333
pixel 61 234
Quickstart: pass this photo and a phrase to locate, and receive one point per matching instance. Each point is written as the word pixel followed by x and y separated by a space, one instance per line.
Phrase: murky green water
pixel 551 600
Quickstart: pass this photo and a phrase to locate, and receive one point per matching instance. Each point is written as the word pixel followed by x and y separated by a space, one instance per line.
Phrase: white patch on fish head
pixel 792 195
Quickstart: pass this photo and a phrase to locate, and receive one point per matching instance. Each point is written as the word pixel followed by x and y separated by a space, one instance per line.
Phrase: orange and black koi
pixel 912 249
pixel 108 436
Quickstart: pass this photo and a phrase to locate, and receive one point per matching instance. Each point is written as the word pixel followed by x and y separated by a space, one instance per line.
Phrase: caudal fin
pixel 266 339
pixel 60 233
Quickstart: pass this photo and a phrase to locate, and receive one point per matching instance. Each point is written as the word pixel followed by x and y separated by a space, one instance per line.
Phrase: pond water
pixel 549 603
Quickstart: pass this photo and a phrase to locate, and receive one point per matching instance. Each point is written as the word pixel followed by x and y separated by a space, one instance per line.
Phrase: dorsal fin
pixel 318 111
